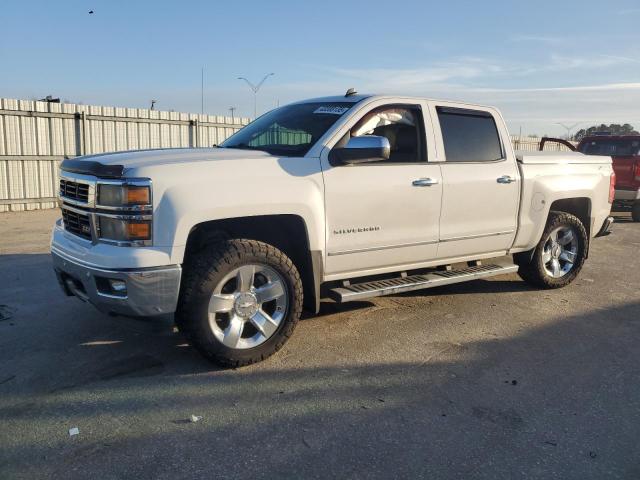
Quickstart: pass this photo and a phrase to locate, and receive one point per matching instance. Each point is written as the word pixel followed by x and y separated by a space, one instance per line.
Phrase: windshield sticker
pixel 331 110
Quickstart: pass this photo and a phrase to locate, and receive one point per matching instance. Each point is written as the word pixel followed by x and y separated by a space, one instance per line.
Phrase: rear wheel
pixel 240 301
pixel 560 254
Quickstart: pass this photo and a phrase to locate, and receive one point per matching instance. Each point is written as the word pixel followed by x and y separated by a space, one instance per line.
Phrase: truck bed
pixel 545 158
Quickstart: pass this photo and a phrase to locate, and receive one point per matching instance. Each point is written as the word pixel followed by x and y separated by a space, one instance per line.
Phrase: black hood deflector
pixel 90 167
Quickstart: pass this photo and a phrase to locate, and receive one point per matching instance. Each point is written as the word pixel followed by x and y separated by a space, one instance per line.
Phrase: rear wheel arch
pixel 579 207
pixel 286 232
pixel 570 248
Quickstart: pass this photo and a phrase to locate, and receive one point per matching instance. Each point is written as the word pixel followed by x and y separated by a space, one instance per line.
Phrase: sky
pixel 541 62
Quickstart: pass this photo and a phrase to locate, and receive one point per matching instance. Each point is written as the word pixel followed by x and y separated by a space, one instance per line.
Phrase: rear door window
pixel 469 135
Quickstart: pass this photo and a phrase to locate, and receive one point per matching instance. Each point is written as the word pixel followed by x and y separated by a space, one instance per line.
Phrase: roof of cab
pixel 357 97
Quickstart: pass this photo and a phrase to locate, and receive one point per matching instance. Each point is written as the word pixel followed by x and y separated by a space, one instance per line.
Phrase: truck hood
pixel 119 163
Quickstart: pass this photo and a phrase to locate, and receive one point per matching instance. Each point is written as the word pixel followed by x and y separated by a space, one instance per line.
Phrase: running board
pixel 378 288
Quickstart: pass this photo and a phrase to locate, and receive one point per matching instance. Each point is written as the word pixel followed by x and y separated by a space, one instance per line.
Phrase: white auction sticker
pixel 331 110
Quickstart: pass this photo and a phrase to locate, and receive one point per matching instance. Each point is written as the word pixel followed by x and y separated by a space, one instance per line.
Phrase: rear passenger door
pixel 481 182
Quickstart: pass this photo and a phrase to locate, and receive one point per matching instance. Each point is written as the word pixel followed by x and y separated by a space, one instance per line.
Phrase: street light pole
pixel 255 89
pixel 569 128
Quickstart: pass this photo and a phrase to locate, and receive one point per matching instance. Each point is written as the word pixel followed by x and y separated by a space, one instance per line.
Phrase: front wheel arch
pixel 287 232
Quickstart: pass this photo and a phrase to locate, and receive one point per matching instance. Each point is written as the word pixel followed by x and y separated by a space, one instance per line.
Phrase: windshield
pixel 289 131
pixel 627 147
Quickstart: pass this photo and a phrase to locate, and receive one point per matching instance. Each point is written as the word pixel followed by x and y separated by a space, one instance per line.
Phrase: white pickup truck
pixel 345 197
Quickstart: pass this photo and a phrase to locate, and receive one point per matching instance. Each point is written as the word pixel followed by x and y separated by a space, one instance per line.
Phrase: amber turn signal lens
pixel 139 231
pixel 138 195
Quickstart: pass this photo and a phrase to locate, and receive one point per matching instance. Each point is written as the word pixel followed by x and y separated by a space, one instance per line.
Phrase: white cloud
pixel 437 74
pixel 469 71
pixel 580 88
pixel 622 59
pixel 562 95
pixel 628 11
pixel 594 88
pixel 546 39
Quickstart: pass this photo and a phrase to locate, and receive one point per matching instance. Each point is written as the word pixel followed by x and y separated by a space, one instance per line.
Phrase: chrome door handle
pixel 424 182
pixel 506 179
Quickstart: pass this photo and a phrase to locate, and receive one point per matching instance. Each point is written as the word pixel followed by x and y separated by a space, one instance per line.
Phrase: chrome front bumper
pixel 149 291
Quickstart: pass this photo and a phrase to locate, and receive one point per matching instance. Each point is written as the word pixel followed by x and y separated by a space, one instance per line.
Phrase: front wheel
pixel 240 301
pixel 560 254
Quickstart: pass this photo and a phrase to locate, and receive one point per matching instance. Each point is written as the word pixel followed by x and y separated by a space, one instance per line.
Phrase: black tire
pixel 532 268
pixel 206 269
pixel 635 212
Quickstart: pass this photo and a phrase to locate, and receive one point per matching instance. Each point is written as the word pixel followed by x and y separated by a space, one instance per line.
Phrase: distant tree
pixel 613 129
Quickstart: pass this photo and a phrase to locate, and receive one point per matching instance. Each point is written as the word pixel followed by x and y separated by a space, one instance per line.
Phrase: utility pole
pixel 232 109
pixel 202 90
pixel 255 89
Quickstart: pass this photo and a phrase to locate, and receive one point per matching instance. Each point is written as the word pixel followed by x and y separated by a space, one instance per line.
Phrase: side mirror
pixel 368 148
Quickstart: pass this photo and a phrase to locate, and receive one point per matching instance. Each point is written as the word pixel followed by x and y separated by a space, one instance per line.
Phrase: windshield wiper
pixel 284 150
pixel 245 146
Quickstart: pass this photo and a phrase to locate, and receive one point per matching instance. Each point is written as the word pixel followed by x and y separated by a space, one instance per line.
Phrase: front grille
pixel 76 223
pixel 74 190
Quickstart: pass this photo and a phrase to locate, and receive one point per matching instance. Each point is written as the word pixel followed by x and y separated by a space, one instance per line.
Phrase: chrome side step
pixel 378 288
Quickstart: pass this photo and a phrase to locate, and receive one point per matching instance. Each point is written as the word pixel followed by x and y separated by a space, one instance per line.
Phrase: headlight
pixel 124 229
pixel 124 212
pixel 123 195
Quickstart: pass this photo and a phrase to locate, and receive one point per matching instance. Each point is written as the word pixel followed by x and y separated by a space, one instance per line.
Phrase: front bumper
pixel 149 291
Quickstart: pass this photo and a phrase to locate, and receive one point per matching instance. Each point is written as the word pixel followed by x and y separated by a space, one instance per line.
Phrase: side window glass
pixel 469 135
pixel 401 126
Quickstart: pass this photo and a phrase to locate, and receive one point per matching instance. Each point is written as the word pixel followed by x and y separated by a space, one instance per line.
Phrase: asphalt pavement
pixel 490 379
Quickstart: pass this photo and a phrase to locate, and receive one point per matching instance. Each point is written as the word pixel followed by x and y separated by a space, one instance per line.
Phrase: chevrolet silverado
pixel 345 197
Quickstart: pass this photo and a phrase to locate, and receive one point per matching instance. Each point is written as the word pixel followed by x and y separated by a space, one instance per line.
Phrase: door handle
pixel 506 179
pixel 424 182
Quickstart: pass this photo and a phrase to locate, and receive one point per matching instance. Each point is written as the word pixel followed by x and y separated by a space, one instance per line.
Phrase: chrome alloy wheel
pixel 560 252
pixel 247 306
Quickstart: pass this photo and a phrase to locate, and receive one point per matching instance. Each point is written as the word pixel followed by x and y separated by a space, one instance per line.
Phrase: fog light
pixel 111 287
pixel 118 286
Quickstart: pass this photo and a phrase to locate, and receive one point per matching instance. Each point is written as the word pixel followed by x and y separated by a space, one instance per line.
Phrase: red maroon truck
pixel 625 151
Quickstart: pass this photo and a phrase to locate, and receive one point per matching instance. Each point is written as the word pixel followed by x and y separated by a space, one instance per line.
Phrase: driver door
pixel 383 215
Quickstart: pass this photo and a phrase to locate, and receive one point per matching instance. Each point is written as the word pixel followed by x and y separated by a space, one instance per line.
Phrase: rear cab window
pixel 469 135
